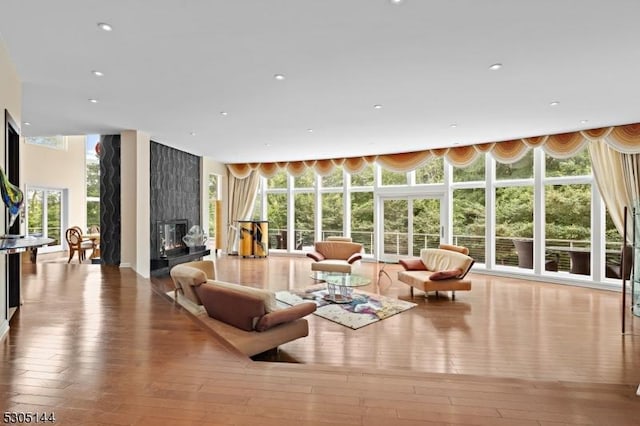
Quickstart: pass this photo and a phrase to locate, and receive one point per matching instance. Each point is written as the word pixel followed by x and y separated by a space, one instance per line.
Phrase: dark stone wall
pixel 110 200
pixel 175 188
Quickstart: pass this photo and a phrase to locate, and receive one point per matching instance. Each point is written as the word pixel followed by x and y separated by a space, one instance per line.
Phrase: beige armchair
pixel 441 269
pixel 335 256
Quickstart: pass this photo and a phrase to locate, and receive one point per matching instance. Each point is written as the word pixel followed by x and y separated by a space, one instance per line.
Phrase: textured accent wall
pixel 110 199
pixel 175 188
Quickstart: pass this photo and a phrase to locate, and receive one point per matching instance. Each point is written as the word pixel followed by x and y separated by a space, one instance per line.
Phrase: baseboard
pixel 125 265
pixel 4 330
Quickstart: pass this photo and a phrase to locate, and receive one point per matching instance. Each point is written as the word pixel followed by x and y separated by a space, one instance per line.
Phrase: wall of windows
pixel 549 205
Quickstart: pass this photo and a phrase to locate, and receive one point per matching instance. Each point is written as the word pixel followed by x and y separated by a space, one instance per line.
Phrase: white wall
pixel 11 100
pixel 210 166
pixel 60 169
pixel 135 236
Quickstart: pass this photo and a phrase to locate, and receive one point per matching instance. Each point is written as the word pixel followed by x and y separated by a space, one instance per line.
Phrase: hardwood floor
pixel 100 345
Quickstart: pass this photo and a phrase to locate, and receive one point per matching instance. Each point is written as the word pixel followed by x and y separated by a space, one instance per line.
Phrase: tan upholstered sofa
pixel 441 269
pixel 335 255
pixel 247 318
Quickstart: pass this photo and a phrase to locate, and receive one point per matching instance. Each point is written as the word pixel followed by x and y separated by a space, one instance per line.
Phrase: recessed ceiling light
pixel 104 26
pixel 395 1
pixel 554 103
pixel 93 101
pixel 267 144
pixel 310 130
pixel 224 113
pixel 377 106
pixel 495 67
pixel 192 133
pixel 453 125
pixel 278 77
pixel 26 123
pixel 584 121
pixel 97 73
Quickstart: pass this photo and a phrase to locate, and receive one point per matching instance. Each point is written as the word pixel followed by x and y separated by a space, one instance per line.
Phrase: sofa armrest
pixel 415 264
pixel 316 256
pixel 354 257
pixel 281 316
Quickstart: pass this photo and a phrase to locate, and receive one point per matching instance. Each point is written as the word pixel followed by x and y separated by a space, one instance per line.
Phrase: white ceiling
pixel 172 66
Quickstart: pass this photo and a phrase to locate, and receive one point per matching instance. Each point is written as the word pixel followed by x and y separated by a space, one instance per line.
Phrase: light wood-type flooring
pixel 100 345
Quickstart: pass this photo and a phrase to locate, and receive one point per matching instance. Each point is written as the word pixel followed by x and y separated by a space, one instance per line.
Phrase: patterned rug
pixel 364 309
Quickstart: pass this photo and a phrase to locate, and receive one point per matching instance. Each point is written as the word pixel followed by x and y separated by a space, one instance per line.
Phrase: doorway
pixel 12 170
pixel 410 224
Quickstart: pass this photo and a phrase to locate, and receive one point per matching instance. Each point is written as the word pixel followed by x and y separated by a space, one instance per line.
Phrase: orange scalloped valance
pixel 624 138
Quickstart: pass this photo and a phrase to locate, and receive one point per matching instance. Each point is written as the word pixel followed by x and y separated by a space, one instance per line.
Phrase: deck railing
pixel 397 243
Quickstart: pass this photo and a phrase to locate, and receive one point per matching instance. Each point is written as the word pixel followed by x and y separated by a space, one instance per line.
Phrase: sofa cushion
pixel 268 297
pixel 332 265
pixel 412 264
pixel 281 316
pixel 242 310
pixel 443 260
pixel 337 249
pixel 445 275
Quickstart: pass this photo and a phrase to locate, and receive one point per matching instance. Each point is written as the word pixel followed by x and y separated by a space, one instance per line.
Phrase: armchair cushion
pixel 443 260
pixel 413 264
pixel 445 275
pixel 281 316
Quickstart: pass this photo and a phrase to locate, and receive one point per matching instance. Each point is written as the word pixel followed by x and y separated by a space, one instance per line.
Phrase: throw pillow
pixel 412 264
pixel 445 275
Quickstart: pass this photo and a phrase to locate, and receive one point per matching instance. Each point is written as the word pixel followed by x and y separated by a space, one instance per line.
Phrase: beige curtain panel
pixel 624 139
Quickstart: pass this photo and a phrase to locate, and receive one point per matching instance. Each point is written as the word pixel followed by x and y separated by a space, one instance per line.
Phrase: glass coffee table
pixel 340 285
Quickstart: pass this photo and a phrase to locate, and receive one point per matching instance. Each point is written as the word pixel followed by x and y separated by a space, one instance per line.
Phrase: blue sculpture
pixel 12 196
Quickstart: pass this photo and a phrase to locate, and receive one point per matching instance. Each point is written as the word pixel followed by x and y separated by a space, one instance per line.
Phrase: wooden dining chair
pixel 76 244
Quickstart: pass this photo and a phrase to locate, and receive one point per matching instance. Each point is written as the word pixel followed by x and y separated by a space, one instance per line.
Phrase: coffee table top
pixel 341 279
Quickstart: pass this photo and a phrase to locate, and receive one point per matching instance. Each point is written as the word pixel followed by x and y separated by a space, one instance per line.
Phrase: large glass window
pixel 393 178
pixel 93 181
pixel 332 214
pixel 521 169
pixel 362 219
pixel 364 178
pixel 469 221
pixel 362 224
pixel 432 172
pixel 44 215
pixel 277 214
pixel 565 218
pixel 304 230
pixel 514 223
pixel 578 165
pixel 568 226
pixel 334 180
pixel 475 172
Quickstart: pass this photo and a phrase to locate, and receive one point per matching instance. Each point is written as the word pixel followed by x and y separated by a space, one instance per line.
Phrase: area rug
pixel 364 309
